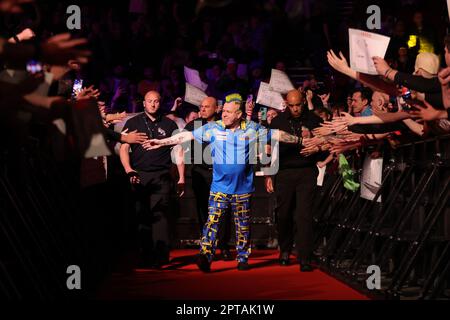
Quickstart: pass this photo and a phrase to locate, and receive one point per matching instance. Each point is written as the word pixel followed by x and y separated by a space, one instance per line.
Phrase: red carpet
pixel 181 280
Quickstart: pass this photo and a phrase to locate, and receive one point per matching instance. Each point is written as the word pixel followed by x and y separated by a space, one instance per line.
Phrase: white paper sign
pixel 193 77
pixel 363 46
pixel 194 95
pixel 371 178
pixel 279 82
pixel 269 98
pixel 321 175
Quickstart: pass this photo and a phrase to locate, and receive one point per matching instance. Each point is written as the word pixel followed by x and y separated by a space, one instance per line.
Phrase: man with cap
pixel 232 142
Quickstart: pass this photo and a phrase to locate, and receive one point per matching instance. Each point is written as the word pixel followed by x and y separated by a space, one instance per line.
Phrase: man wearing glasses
pixel 295 182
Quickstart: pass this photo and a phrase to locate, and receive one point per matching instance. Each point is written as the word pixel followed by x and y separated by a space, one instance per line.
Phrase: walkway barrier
pixel 406 235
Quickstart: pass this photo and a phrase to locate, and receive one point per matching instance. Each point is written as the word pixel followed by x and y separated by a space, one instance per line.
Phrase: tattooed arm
pixel 285 137
pixel 179 138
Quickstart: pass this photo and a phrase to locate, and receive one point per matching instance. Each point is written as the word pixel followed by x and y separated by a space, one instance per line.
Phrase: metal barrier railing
pixel 40 226
pixel 407 235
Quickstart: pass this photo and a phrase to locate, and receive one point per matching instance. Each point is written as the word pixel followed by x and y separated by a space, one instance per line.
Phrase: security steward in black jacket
pixel 149 173
pixel 295 182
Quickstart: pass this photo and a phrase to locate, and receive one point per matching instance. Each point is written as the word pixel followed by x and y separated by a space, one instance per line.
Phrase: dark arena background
pixel 354 93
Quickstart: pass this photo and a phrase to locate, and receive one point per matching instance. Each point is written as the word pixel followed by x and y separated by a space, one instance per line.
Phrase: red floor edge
pixel 266 280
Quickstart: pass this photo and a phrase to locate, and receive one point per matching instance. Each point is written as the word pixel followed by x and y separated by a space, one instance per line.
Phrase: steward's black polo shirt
pixel 289 153
pixel 151 160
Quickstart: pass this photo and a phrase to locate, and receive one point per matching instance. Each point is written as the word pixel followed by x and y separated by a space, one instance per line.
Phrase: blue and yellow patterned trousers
pixel 219 203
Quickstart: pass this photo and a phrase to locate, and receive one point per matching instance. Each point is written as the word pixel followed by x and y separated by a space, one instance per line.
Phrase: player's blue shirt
pixel 231 153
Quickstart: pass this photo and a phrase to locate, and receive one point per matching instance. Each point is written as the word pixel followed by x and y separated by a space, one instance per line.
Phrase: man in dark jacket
pixel 295 182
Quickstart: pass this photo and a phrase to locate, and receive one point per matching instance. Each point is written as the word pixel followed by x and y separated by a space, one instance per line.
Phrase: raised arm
pixel 179 138
pixel 285 137
pixel 415 127
pixel 411 81
pixel 374 82
pixel 374 119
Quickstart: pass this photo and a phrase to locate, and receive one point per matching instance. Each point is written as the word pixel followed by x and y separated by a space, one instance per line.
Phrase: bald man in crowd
pixel 295 182
pixel 202 174
pixel 149 173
